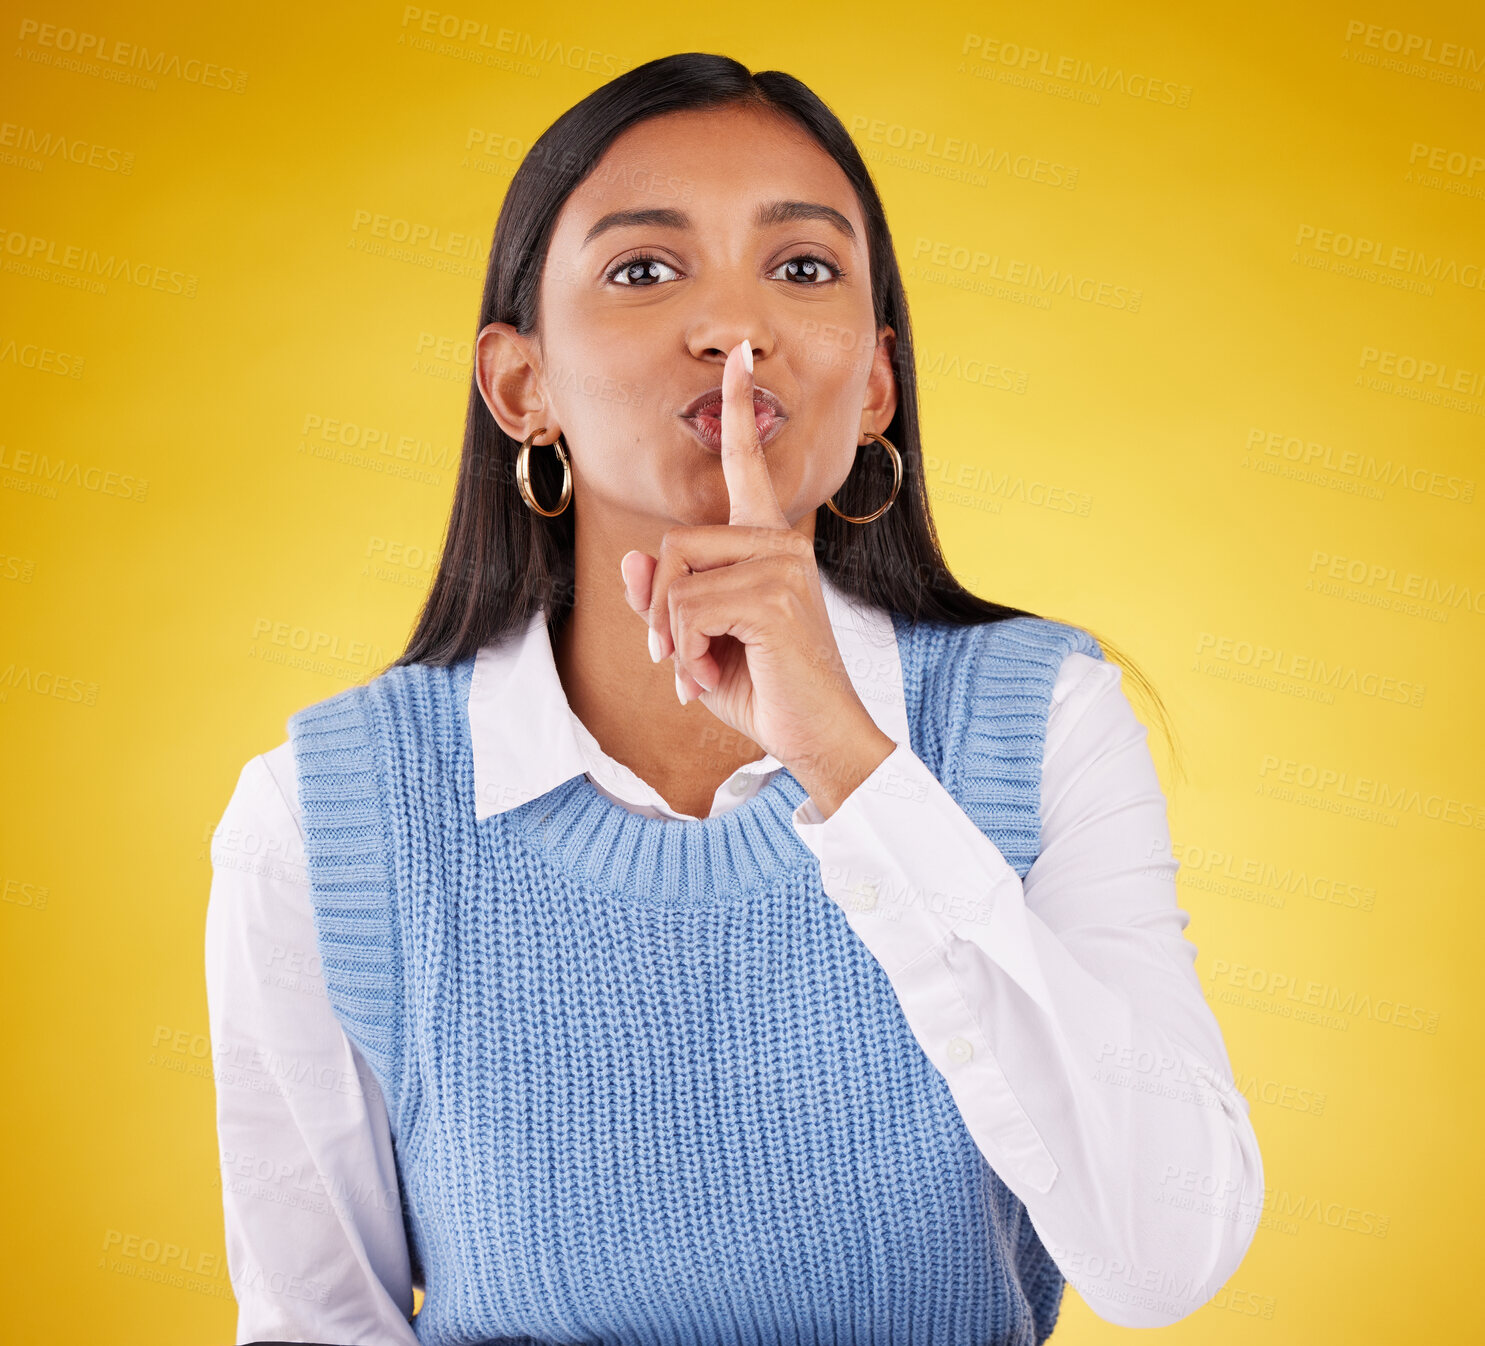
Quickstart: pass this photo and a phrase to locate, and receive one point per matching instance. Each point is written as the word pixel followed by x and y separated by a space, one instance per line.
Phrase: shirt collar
pixel 525 737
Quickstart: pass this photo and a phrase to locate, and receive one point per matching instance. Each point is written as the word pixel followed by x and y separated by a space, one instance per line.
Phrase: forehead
pixel 710 163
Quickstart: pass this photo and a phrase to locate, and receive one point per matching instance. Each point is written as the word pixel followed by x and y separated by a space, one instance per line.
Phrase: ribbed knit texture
pixel 645 1083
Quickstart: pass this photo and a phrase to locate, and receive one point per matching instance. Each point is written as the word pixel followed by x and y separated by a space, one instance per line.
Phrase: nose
pixel 714 333
pixel 717 354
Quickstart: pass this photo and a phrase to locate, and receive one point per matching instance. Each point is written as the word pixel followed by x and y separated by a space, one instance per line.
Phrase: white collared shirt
pixel 1071 1027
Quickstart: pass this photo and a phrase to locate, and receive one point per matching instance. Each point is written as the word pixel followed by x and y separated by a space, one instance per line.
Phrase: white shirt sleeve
pixel 1065 1013
pixel 316 1248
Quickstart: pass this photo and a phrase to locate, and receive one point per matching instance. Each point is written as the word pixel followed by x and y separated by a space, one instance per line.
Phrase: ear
pixel 880 405
pixel 507 367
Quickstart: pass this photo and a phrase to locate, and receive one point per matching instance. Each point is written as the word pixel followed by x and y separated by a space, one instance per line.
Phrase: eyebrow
pixel 770 212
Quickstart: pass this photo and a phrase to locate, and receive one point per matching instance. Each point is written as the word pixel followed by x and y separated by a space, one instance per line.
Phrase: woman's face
pixel 695 231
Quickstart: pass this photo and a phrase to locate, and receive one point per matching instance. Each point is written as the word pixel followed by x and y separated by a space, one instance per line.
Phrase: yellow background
pixel 155 599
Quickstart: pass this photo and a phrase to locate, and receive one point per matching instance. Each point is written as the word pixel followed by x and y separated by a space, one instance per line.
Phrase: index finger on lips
pixel 744 464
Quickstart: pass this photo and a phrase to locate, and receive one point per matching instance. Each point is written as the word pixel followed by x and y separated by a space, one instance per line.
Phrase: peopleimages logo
pixel 1455 595
pixel 1329 780
pixel 1366 468
pixel 1301 666
pixel 1028 61
pixel 29 142
pixel 1413 46
pixel 1364 251
pixel 67 47
pixel 1291 988
pixel 31 254
pixel 1420 369
pixel 479 37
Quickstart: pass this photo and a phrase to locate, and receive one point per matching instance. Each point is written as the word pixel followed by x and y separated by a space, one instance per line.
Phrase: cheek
pixel 821 465
pixel 599 385
pixel 837 357
pixel 595 370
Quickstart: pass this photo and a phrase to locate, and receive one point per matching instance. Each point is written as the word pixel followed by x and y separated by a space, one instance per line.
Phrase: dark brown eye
pixel 638 271
pixel 812 270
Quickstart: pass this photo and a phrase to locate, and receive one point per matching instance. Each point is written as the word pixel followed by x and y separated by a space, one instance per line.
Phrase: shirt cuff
pixel 898 861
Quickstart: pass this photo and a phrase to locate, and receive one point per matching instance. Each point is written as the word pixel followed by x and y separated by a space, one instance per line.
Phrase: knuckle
pixel 673 546
pixel 780 601
pixel 789 569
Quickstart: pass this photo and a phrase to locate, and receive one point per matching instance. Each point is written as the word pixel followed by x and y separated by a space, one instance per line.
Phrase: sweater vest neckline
pixel 671 863
pixel 678 864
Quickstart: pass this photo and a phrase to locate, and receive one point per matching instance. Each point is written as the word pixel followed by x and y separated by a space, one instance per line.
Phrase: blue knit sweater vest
pixel 645 1084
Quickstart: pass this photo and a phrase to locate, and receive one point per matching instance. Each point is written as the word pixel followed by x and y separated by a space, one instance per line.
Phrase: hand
pixel 739 608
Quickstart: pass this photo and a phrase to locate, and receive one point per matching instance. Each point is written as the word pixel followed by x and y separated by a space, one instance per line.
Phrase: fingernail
pixel 654 646
pixel 748 356
pixel 680 691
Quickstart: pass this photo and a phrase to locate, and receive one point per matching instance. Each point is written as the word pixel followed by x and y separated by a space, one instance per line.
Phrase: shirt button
pixel 960 1050
pixel 738 785
pixel 866 897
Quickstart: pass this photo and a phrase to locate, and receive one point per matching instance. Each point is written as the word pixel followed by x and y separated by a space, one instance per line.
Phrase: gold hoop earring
pixel 896 483
pixel 523 474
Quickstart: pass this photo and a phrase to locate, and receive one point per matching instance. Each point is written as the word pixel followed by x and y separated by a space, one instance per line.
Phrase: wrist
pixel 832 774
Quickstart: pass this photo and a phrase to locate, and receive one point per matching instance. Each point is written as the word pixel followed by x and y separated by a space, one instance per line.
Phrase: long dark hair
pixel 502 562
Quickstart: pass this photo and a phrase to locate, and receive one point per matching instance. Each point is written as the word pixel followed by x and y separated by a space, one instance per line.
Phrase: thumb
pixel 638 571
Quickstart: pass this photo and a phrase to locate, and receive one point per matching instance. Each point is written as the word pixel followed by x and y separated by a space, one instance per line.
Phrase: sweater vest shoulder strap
pixel 978 699
pixel 356 755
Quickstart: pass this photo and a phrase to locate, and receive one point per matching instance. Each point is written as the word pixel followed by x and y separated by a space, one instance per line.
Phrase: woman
pixel 851 1005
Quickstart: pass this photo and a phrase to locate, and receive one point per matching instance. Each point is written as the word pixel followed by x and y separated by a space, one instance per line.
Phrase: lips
pixel 703 416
